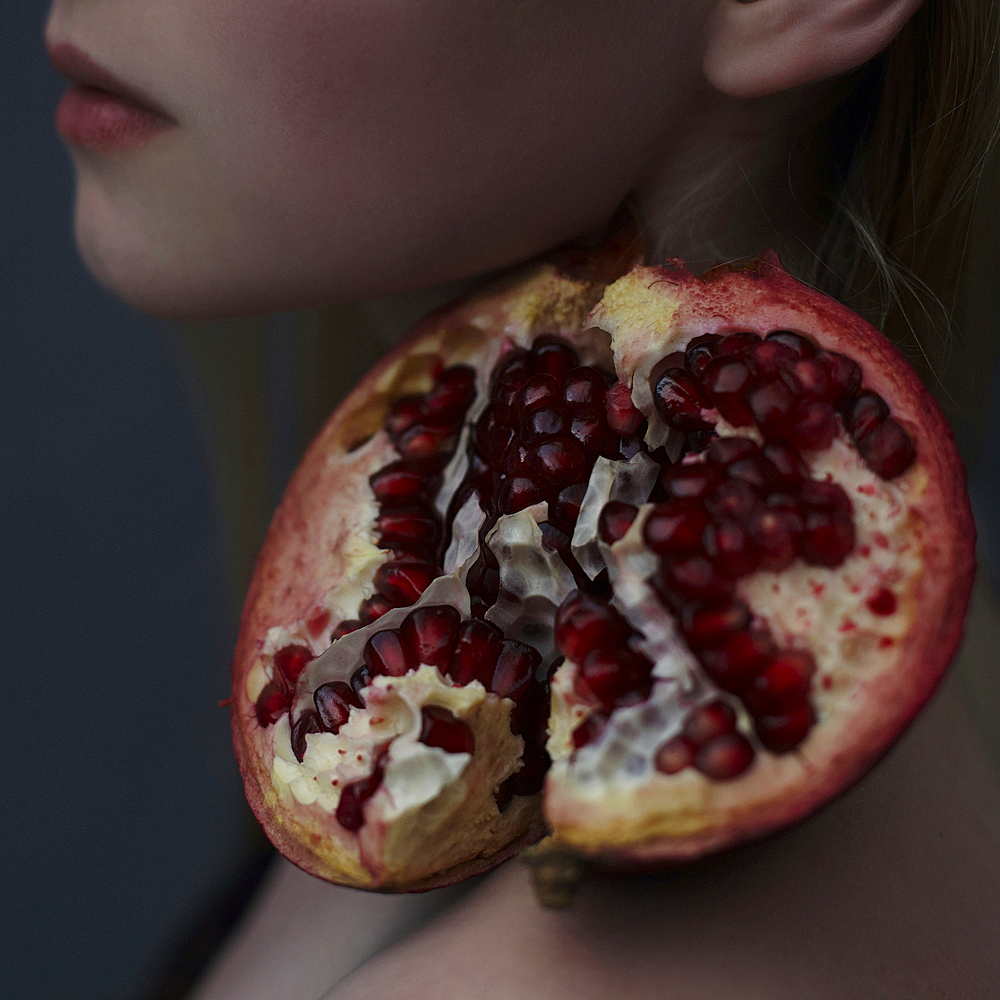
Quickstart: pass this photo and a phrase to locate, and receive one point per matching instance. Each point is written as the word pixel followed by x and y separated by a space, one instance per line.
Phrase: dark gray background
pixel 123 809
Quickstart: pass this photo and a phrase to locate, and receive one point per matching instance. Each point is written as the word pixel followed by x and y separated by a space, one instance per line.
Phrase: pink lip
pixel 100 111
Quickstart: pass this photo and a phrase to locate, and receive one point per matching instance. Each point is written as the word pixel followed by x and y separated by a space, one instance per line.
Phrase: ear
pixel 759 47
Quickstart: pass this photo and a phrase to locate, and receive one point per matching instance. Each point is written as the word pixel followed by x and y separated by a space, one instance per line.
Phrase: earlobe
pixel 760 47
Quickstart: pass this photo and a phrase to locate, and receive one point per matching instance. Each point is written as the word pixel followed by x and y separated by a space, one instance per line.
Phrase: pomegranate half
pixel 651 562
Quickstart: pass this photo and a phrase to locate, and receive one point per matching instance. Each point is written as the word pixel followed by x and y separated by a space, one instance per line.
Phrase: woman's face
pixel 326 149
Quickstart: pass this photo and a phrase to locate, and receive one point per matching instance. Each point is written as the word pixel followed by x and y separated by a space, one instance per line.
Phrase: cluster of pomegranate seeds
pixel 276 697
pixel 466 651
pixel 737 508
pixel 789 389
pixel 595 635
pixel 729 508
pixel 424 430
pixel 708 741
pixel 548 420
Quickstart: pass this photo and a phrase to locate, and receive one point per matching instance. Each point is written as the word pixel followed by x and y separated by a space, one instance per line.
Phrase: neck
pixel 729 182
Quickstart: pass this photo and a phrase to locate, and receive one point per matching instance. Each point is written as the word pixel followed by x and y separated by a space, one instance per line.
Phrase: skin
pixel 335 149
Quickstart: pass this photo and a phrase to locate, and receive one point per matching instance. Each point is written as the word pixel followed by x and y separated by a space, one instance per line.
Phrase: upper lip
pixel 78 67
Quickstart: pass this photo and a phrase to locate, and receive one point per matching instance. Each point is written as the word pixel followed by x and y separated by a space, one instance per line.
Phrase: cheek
pixel 409 112
pixel 333 149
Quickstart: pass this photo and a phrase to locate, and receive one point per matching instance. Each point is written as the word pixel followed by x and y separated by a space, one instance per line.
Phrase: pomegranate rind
pixel 320 554
pixel 671 818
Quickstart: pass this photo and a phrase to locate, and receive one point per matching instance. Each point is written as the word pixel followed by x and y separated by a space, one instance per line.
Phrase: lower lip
pixel 98 120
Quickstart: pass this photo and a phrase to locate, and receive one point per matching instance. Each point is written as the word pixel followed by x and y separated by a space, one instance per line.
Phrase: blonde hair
pixel 911 175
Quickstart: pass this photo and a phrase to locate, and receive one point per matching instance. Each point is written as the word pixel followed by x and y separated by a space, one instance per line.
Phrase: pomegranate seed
pixel 590 729
pixel 734 499
pixel 801 346
pixel 734 666
pixel 373 608
pixel 517 493
pixel 451 395
pixel 864 413
pixel 535 763
pixel 307 723
pixel 825 496
pixel 483 577
pixel 560 463
pixel 674 755
pixel 360 679
pixel 770 357
pixel 725 757
pixel 590 428
pixel 554 354
pixel 477 646
pixel 405 412
pixel 784 681
pixel 542 390
pixel 515 459
pixel 623 417
pixel 426 442
pixel 385 654
pixel 689 481
pixel 844 375
pixel 814 377
pixel 705 625
pixel 429 633
pixel 772 405
pixel 566 508
pixel 709 721
pixel 291 661
pixel 700 352
pixel 516 666
pixel 333 703
pixel 726 381
pixel 584 387
pixel 614 521
pixel 785 731
pixel 402 483
pixel 413 524
pixel 679 401
pixel 530 715
pixel 882 602
pixel 675 527
pixel 345 628
pixel 271 704
pixel 440 728
pixel 402 581
pixel 756 470
pixel 737 344
pixel 540 425
pixel 776 532
pixel 691 577
pixel 722 451
pixel 584 622
pixel 828 538
pixel 511 372
pixel 730 548
pixel 493 437
pixel 887 449
pixel 791 469
pixel 813 425
pixel 350 811
pixel 608 674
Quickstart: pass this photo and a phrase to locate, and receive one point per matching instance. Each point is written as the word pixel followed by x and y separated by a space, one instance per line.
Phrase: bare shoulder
pixel 892 892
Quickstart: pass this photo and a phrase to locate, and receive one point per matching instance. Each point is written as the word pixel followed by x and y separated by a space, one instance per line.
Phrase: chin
pixel 174 282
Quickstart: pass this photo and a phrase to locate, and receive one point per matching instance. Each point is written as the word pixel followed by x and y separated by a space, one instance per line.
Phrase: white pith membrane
pixel 434 810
